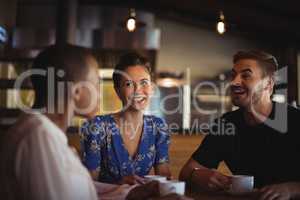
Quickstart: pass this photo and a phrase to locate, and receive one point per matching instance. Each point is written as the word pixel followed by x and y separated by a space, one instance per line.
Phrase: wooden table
pixel 220 196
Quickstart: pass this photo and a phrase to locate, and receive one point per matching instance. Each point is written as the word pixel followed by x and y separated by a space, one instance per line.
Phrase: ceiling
pixel 262 19
pixel 265 19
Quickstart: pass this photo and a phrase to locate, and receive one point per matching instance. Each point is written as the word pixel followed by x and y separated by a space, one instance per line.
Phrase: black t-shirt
pixel 267 151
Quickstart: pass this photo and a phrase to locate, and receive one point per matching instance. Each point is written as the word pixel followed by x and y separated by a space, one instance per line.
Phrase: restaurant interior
pixel 189 43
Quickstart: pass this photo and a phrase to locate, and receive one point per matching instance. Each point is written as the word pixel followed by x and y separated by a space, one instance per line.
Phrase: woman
pixel 124 146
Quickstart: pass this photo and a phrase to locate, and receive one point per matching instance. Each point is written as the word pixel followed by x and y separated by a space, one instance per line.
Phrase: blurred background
pixel 189 43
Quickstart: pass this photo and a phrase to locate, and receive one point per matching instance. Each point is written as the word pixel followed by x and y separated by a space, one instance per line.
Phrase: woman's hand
pixel 94 174
pixel 132 179
pixel 163 170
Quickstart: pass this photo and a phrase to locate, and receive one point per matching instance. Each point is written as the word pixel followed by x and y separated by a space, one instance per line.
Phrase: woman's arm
pixel 90 146
pixel 94 174
pixel 161 163
pixel 163 170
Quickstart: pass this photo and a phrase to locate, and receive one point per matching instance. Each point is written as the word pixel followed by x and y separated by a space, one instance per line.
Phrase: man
pixel 36 162
pixel 265 142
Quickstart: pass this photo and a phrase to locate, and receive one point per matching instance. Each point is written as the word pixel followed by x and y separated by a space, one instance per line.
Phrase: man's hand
pixel 212 180
pixel 278 192
pixel 149 190
pixel 200 177
pixel 132 180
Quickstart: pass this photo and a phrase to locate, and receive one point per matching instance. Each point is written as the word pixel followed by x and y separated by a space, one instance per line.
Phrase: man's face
pixel 248 84
pixel 88 102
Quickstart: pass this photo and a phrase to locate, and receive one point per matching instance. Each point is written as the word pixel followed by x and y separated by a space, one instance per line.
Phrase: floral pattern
pixel 104 150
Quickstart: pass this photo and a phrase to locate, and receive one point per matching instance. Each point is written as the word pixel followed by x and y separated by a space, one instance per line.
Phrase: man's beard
pixel 252 99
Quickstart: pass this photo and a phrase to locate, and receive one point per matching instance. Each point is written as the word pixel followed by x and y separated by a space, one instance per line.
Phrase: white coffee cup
pixel 241 184
pixel 155 178
pixel 173 186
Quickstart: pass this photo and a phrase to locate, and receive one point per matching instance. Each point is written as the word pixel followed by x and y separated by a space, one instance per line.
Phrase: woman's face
pixel 135 88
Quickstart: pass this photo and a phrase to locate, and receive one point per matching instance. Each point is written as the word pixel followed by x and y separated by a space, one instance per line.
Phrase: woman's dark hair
pixel 266 61
pixel 127 60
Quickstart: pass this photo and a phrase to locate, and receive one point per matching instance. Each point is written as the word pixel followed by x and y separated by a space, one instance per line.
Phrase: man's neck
pixel 258 113
pixel 60 119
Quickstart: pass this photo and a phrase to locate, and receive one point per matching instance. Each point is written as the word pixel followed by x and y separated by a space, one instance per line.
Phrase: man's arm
pixel 186 171
pixel 39 170
pixel 43 171
pixel 196 175
pixel 283 191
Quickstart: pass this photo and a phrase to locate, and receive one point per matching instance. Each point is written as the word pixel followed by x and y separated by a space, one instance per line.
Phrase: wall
pixel 298 65
pixel 205 52
pixel 8 13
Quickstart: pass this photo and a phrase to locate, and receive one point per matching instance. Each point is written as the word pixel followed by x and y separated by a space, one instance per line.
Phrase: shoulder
pixel 159 125
pixel 96 125
pixel 38 130
pixel 99 120
pixel 293 111
pixel 225 124
pixel 35 120
pixel 282 108
pixel 293 117
pixel 36 123
pixel 232 115
pixel 157 121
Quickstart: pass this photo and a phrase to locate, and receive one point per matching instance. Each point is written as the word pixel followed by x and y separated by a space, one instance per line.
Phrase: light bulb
pixel 131 24
pixel 221 27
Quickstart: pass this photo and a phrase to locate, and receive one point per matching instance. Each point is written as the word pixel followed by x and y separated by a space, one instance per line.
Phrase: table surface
pixel 220 196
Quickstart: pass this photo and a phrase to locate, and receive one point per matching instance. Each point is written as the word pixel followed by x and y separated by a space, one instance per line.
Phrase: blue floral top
pixel 104 150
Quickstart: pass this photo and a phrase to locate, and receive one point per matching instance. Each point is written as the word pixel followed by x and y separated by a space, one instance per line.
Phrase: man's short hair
pixel 68 62
pixel 267 61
